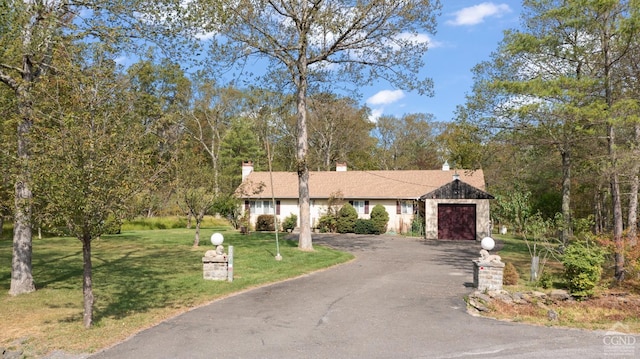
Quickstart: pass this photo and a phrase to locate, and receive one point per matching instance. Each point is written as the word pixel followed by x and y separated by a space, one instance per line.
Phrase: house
pixel 455 204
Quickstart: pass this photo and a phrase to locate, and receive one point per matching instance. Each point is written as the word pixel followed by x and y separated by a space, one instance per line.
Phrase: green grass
pixel 515 251
pixel 140 278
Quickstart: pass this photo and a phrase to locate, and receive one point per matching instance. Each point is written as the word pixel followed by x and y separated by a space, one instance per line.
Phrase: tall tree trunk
pixel 304 241
pixel 21 267
pixel 87 282
pixel 196 239
pixel 618 239
pixel 632 221
pixel 566 196
pixel 613 156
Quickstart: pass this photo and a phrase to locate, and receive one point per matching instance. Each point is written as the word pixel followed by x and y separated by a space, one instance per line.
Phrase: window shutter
pixel 366 207
pixel 278 207
pixel 351 203
pixel 398 208
pixel 246 206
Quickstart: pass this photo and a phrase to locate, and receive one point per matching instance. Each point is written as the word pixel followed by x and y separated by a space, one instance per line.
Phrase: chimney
pixel 456 176
pixel 445 166
pixel 341 167
pixel 247 168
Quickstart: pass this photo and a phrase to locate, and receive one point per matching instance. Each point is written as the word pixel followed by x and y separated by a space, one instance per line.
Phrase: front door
pixel 457 221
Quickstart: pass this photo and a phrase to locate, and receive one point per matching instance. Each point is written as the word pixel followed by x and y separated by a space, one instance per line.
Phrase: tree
pixel 160 93
pixel 558 83
pixel 407 143
pixel 199 202
pixel 90 154
pixel 240 143
pixel 340 131
pixel 208 123
pixel 332 41
pixel 32 33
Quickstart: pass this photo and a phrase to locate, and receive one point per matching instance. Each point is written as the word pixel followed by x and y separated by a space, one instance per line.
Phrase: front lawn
pixel 140 277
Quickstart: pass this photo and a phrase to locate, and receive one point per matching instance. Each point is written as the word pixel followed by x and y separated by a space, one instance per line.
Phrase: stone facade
pixel 487 275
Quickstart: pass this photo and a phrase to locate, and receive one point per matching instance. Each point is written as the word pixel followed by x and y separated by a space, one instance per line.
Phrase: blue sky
pixel 468 31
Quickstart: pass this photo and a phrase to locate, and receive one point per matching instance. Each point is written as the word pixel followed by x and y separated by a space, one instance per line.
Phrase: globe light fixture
pixel 487 243
pixel 217 239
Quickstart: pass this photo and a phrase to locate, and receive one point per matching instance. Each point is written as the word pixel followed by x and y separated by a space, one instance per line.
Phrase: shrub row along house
pixel 453 204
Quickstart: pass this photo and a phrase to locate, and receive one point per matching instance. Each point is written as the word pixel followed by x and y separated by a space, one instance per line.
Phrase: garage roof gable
pixel 457 189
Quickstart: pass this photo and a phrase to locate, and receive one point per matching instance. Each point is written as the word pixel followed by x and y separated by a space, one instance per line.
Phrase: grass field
pixel 140 278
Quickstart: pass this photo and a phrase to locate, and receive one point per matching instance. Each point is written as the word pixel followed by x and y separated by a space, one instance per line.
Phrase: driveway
pixel 400 298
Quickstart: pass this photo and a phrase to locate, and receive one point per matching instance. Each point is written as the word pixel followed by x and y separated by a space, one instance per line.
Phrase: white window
pixel 262 207
pixel 359 206
pixel 406 207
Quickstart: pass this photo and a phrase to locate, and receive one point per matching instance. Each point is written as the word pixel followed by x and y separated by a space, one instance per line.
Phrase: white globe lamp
pixel 217 239
pixel 487 243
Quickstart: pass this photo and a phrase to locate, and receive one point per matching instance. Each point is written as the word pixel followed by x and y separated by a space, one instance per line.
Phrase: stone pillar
pixel 487 275
pixel 215 265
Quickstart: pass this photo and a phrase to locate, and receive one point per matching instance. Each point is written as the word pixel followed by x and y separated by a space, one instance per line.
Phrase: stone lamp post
pixel 216 264
pixel 488 269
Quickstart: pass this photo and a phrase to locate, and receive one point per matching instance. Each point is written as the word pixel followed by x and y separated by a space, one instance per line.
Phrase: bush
pixel 347 217
pixel 380 218
pixel 365 226
pixel 290 223
pixel 510 275
pixel 546 280
pixel 417 224
pixel 582 268
pixel 328 224
pixel 265 223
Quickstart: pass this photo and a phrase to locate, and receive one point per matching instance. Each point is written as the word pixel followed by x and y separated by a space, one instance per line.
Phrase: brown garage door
pixel 457 221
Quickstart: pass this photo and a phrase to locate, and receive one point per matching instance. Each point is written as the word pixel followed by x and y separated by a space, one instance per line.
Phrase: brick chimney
pixel 341 167
pixel 247 168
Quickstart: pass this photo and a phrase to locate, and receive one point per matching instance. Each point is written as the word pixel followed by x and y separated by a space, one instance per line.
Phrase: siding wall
pixel 398 223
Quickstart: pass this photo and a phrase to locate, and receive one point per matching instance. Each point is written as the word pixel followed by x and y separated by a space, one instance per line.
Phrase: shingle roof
pixel 358 184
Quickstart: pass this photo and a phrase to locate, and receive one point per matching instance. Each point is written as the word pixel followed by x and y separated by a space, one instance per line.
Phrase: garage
pixel 457 211
pixel 456 221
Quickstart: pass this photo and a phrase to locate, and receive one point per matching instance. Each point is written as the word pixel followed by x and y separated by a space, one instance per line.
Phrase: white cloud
pixel 418 39
pixel 204 36
pixel 476 14
pixel 385 97
pixel 122 60
pixel 375 114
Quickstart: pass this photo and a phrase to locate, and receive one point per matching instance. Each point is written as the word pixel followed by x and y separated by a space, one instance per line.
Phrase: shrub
pixel 510 275
pixel 265 223
pixel 365 226
pixel 582 268
pixel 546 280
pixel 417 224
pixel 328 224
pixel 347 217
pixel 290 223
pixel 380 218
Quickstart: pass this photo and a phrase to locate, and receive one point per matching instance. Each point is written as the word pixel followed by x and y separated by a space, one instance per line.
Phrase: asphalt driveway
pixel 400 298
